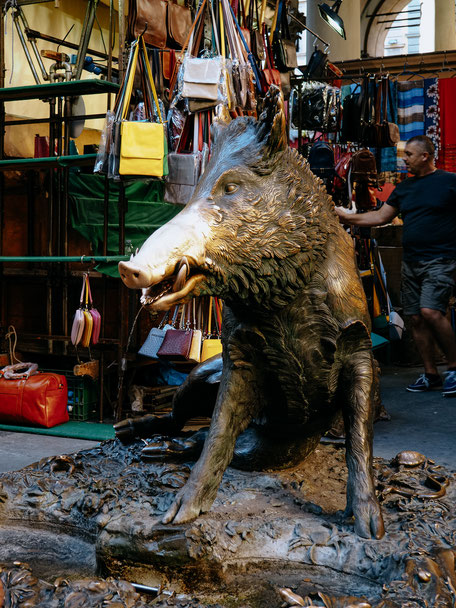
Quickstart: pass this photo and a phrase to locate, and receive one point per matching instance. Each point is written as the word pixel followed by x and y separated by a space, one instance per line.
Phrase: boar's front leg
pixel 235 407
pixel 362 502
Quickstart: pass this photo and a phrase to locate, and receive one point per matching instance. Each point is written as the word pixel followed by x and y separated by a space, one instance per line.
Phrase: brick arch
pixel 373 33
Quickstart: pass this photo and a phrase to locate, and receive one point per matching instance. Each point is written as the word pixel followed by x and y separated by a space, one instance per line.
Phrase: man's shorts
pixel 427 285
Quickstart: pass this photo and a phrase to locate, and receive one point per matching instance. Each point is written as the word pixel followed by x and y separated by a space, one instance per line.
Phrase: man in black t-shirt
pixel 427 203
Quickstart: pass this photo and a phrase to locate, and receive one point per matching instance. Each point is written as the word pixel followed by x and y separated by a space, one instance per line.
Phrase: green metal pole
pixel 84 259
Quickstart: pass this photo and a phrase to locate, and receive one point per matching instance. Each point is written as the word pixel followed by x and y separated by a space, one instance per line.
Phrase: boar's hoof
pixel 368 518
pixel 180 447
pixel 190 502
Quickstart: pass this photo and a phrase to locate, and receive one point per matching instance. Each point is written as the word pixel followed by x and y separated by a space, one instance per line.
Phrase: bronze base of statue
pixel 98 513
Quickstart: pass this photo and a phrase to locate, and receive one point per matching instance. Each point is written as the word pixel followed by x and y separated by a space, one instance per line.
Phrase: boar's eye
pixel 230 188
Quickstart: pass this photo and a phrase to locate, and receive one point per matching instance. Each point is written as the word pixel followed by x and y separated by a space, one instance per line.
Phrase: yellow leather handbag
pixel 211 346
pixel 88 319
pixel 143 144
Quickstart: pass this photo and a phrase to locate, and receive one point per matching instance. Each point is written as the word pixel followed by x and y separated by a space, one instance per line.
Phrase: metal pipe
pixel 85 37
pixel 25 48
pixel 32 41
pixel 66 43
pixel 84 259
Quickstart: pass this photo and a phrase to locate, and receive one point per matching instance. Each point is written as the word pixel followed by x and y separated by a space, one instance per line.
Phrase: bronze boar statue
pixel 261 233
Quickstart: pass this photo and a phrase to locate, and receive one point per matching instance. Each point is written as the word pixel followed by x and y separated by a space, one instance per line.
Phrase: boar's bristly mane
pixel 281 220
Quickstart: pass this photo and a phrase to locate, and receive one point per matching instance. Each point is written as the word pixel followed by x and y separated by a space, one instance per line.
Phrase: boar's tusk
pixel 182 275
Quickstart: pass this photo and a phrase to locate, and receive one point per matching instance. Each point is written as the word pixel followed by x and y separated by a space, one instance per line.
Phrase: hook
pixel 82 259
pixel 146 25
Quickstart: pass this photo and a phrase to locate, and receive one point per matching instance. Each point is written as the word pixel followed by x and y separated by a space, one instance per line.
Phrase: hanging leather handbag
pixel 177 342
pixel 285 55
pixel 155 339
pixel 271 75
pixel 152 13
pixel 179 20
pixel 88 320
pixel 389 130
pixel 30 398
pixel 212 345
pixel 77 328
pixel 143 145
pixel 256 37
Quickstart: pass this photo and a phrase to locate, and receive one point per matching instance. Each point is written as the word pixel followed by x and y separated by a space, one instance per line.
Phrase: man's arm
pixel 380 217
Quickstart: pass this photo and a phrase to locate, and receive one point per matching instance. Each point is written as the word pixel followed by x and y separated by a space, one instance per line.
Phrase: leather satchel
pixel 152 12
pixel 179 22
pixel 38 399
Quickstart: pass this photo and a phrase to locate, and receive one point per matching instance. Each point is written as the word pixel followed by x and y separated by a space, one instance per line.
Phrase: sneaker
pixel 449 386
pixel 423 383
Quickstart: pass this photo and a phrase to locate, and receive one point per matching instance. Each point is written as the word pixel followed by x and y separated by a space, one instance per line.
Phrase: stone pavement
pixel 422 422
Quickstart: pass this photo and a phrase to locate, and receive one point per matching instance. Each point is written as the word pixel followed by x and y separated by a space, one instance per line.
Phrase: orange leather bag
pixel 31 398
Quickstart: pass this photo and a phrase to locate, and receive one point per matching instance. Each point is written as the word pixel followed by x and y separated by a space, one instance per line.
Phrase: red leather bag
pixel 32 399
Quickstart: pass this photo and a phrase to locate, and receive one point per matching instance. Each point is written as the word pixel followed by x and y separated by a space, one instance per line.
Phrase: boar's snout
pixel 133 275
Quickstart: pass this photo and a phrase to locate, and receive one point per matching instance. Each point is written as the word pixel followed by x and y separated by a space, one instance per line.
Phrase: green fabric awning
pixel 146 211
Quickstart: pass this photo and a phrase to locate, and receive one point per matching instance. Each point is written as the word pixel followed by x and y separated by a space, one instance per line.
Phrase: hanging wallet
pixel 176 345
pixel 152 343
pixel 210 348
pixel 77 328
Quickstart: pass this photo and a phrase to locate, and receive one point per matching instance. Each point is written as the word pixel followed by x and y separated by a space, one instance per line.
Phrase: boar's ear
pixel 219 125
pixel 273 123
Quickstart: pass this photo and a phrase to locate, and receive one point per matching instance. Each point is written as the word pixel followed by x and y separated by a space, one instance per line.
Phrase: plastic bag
pixel 101 162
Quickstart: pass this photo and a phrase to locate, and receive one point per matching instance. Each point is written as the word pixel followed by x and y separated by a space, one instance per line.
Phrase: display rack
pixel 54 270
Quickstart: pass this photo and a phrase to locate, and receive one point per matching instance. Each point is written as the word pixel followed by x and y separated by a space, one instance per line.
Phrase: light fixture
pixel 332 18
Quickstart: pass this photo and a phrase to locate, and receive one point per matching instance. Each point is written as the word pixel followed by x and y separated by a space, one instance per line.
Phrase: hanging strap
pixel 151 78
pixel 81 299
pixel 274 22
pixel 89 290
pixel 209 317
pixel 180 57
pixel 249 54
pixel 86 292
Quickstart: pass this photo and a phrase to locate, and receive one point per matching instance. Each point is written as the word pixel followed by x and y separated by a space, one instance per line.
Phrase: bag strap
pixel 174 318
pixel 89 290
pixel 172 81
pixel 129 83
pixel 209 317
pixel 274 22
pixel 81 299
pixel 151 78
pixel 163 320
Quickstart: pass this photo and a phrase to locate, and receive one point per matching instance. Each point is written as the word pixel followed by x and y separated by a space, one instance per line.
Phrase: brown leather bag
pixel 152 12
pixel 179 22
